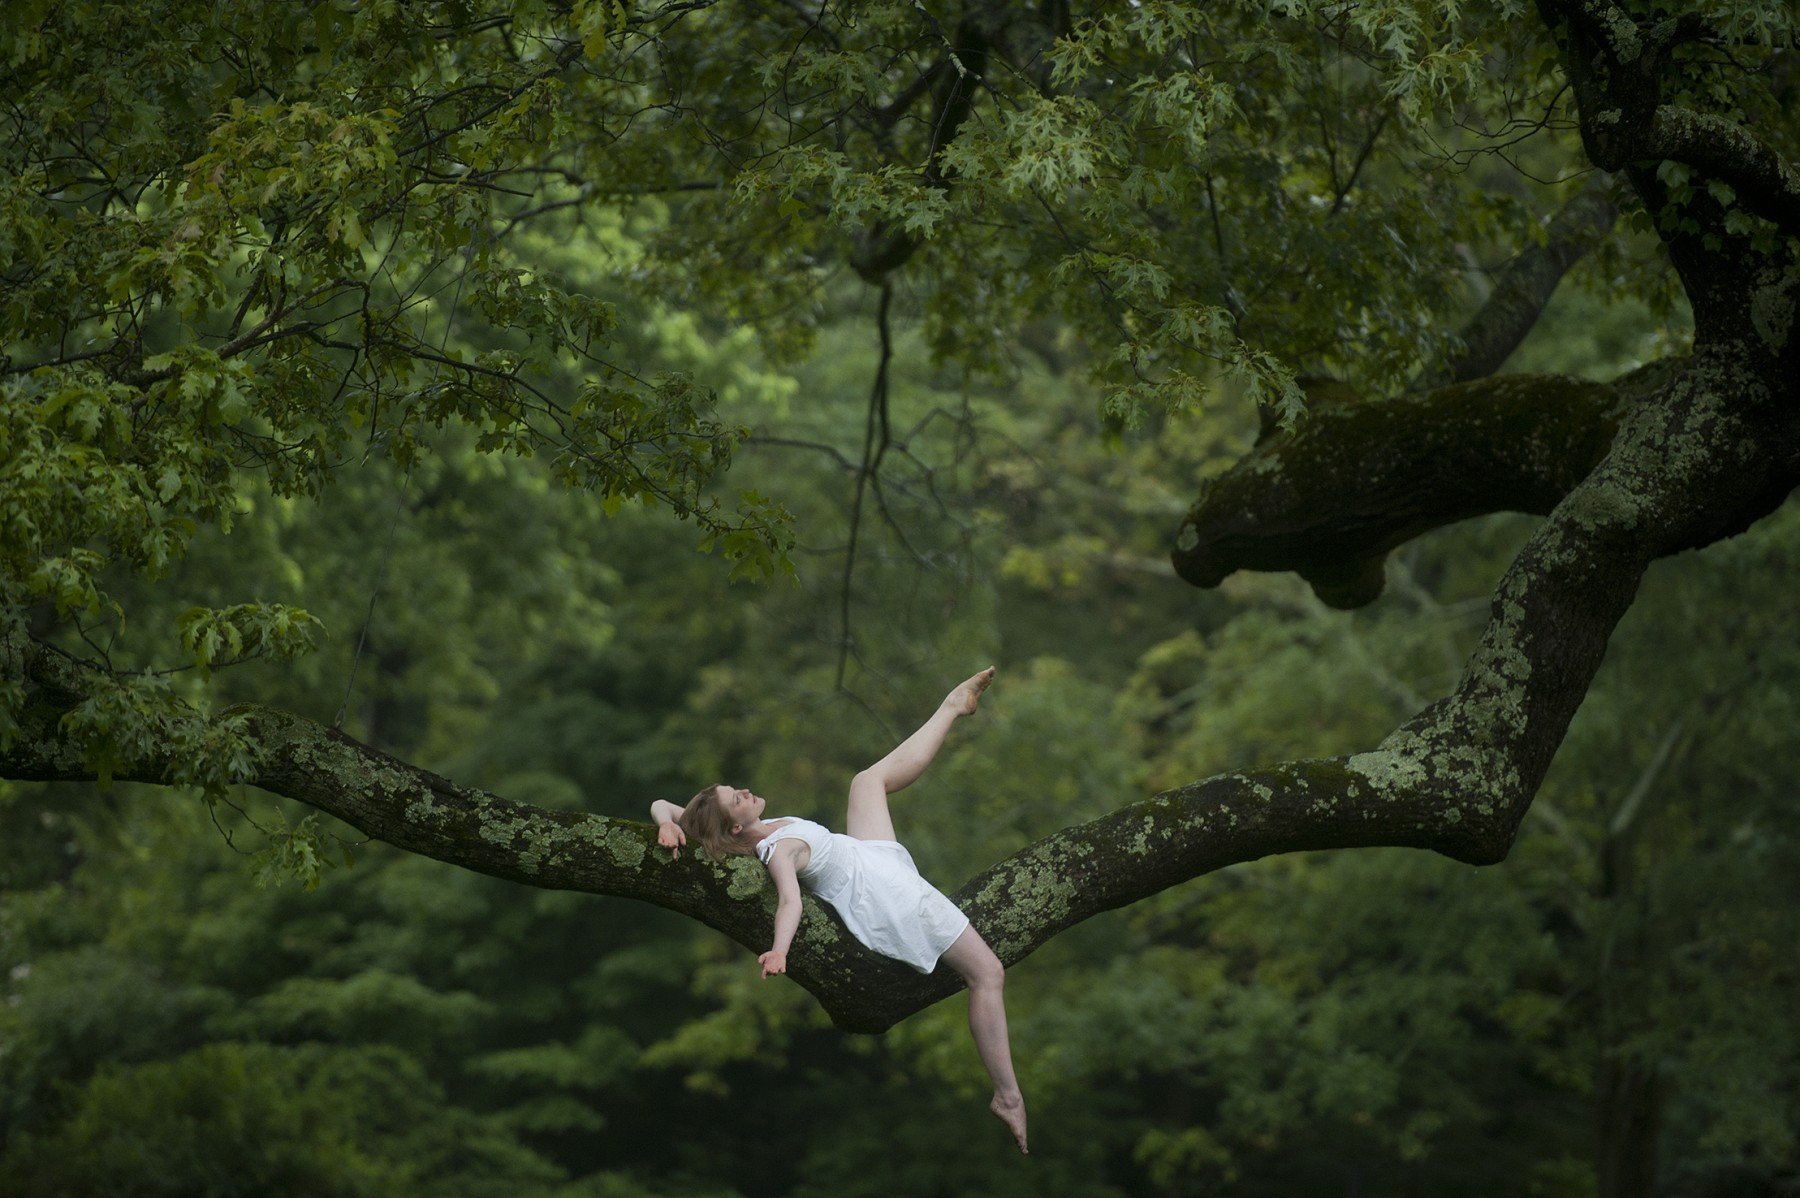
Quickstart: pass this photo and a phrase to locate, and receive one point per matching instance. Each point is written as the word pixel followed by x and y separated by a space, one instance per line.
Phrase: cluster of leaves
pixel 1213 197
pixel 236 241
pixel 243 251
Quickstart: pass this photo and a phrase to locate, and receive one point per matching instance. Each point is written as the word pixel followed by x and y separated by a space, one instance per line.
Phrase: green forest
pixel 1361 436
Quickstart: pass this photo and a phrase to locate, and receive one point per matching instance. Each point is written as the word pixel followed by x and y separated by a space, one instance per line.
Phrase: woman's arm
pixel 668 829
pixel 787 911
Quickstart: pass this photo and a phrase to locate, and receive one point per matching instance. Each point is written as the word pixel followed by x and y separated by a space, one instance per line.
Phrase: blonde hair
pixel 706 824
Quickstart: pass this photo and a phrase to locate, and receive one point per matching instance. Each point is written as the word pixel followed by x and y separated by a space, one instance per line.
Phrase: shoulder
pixel 781 839
pixel 785 858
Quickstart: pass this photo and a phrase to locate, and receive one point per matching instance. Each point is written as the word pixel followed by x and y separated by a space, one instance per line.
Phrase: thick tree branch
pixel 1765 182
pixel 1699 450
pixel 958 78
pixel 1329 499
pixel 1615 66
pixel 1524 286
pixel 1017 904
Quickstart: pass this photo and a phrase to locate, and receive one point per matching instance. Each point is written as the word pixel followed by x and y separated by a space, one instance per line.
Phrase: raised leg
pixel 971 957
pixel 868 817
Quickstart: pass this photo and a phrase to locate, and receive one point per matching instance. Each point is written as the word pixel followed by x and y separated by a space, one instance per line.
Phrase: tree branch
pixel 1329 499
pixel 1017 904
pixel 1764 181
pixel 884 247
pixel 1524 286
pixel 1614 64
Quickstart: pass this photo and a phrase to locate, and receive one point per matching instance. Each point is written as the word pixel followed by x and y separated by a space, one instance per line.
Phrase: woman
pixel 870 878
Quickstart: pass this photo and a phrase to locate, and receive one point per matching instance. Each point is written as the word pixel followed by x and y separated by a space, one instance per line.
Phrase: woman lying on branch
pixel 871 881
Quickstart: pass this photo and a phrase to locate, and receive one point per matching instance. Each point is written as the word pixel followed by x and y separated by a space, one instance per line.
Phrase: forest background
pixel 211 990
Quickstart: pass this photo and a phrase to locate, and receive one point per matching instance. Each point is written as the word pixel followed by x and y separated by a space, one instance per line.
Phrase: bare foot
pixel 1012 1113
pixel 965 697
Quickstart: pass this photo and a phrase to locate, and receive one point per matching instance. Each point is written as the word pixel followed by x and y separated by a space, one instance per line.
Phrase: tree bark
pixel 1524 286
pixel 1329 499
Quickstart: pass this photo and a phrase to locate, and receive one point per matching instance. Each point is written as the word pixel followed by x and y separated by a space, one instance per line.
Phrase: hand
pixel 772 963
pixel 671 837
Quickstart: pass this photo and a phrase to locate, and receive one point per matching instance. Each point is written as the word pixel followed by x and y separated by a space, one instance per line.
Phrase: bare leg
pixel 971 957
pixel 868 817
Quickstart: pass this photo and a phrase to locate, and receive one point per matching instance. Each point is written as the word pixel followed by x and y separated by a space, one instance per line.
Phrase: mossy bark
pixel 1330 498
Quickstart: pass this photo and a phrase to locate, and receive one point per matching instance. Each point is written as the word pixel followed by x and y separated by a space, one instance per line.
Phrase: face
pixel 740 806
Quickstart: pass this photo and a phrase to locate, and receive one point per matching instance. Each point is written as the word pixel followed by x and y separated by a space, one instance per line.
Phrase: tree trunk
pixel 1630 1118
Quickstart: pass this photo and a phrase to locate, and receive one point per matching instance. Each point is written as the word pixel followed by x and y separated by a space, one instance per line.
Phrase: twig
pixel 873 451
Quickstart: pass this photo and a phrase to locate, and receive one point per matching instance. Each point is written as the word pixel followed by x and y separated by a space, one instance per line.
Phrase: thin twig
pixel 873 450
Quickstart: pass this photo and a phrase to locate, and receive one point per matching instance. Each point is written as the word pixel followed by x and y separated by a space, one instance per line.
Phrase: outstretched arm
pixel 787 911
pixel 902 767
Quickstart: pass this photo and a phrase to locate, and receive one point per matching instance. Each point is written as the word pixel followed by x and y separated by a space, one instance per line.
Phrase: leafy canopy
pixel 239 242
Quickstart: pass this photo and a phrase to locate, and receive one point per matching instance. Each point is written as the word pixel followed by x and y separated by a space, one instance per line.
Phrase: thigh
pixel 868 817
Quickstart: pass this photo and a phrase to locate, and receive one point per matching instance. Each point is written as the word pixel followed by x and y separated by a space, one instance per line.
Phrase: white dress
pixel 877 889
